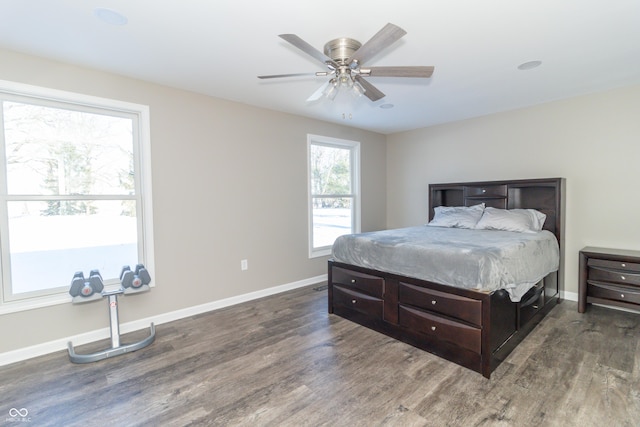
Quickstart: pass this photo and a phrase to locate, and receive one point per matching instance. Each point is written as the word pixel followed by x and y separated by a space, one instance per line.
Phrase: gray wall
pixel 592 141
pixel 229 183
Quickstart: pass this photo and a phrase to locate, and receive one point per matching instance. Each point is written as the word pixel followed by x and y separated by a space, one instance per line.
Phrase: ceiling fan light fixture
pixel 345 79
pixel 358 90
pixel 331 90
pixel 344 57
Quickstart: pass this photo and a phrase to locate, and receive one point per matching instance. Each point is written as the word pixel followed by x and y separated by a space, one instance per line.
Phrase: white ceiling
pixel 218 47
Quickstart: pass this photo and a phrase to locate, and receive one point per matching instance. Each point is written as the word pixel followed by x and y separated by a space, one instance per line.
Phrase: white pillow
pixel 457 216
pixel 520 220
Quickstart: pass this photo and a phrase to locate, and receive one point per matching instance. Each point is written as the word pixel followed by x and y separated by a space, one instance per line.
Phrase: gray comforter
pixel 484 260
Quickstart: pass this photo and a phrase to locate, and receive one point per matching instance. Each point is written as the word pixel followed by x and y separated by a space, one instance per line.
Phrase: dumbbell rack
pixel 114 326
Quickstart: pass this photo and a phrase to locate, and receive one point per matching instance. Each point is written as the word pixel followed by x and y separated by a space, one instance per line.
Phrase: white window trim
pixel 354 146
pixel 145 220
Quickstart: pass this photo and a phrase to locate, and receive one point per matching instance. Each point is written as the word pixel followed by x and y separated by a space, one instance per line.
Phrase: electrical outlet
pixel 244 265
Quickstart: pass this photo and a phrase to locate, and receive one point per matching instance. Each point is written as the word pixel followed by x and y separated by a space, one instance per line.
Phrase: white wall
pixel 592 141
pixel 229 183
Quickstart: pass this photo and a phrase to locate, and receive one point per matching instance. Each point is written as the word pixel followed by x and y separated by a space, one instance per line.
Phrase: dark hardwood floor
pixel 283 361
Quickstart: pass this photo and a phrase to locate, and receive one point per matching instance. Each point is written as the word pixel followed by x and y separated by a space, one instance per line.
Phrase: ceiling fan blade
pixel 318 93
pixel 277 76
pixel 409 71
pixel 308 49
pixel 370 91
pixel 382 39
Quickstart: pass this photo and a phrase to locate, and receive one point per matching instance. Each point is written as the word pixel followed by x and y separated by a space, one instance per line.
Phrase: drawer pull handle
pixel 623 264
pixel 433 302
pixel 353 301
pixel 623 278
pixel 353 280
pixel 484 191
pixel 433 328
pixel 621 295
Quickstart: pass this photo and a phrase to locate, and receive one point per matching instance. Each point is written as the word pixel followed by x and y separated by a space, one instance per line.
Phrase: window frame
pixel 12 91
pixel 354 149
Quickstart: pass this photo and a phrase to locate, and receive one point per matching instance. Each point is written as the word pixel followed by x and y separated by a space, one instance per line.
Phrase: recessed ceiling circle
pixel 529 65
pixel 110 16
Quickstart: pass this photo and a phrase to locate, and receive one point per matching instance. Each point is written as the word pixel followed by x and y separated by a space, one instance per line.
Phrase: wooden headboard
pixel 545 195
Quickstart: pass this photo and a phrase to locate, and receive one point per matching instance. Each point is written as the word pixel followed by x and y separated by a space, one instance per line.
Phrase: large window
pixel 74 191
pixel 334 202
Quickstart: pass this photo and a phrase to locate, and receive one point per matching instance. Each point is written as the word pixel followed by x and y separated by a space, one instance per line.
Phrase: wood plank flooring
pixel 283 361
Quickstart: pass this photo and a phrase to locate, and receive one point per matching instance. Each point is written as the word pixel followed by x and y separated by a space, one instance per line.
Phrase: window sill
pixel 26 304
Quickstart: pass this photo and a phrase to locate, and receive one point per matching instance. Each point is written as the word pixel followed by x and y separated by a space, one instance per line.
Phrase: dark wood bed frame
pixel 471 328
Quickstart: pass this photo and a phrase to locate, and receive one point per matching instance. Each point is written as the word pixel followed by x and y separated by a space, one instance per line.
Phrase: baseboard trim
pixel 25 353
pixel 570 296
pixel 573 296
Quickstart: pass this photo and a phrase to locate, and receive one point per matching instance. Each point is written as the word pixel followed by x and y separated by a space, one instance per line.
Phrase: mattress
pixel 483 260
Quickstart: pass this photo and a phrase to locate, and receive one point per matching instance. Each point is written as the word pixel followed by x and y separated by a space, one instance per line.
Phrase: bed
pixel 467 293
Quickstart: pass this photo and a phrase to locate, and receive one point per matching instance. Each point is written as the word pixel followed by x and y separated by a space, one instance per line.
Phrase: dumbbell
pixel 134 281
pixel 82 288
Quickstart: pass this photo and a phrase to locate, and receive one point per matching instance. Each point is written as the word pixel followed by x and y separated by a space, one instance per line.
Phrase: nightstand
pixel 609 277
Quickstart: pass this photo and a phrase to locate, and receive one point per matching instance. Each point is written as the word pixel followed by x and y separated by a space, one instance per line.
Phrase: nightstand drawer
pixel 609 276
pixel 613 292
pixel 613 276
pixel 614 265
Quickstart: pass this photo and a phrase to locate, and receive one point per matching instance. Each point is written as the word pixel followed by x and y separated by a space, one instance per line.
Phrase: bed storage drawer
pixel 467 309
pixel 531 303
pixel 628 294
pixel 444 329
pixel 365 283
pixel 357 301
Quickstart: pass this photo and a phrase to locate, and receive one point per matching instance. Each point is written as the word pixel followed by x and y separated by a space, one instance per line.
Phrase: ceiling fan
pixel 344 58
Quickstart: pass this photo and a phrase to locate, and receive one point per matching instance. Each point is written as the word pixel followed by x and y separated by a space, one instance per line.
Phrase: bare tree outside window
pixel 70 194
pixel 332 191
